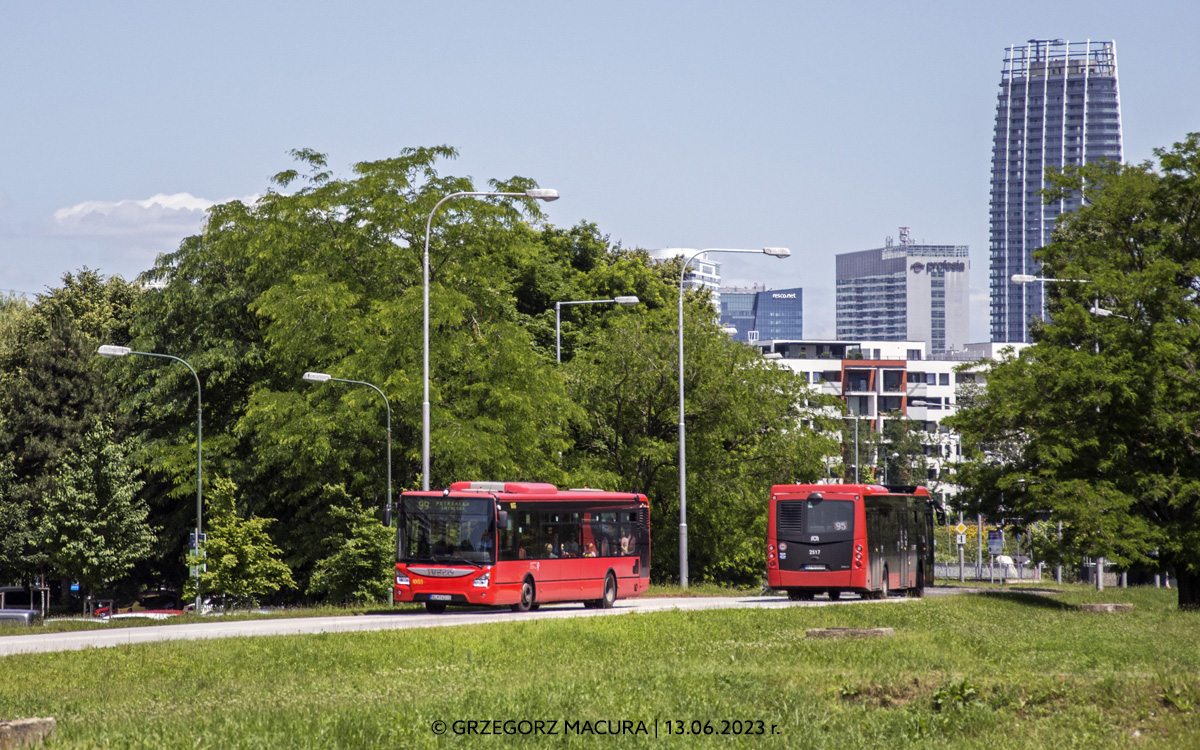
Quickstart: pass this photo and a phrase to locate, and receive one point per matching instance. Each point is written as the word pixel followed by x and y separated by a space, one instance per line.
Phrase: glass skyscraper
pixel 1057 105
pixel 765 314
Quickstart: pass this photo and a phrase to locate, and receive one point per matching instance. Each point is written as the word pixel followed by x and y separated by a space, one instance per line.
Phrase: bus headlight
pixel 401 579
pixel 483 581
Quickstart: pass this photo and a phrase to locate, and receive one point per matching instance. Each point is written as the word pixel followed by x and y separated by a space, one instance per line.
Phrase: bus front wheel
pixel 527 594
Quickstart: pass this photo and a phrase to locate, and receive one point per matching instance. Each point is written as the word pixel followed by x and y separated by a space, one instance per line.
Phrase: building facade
pixel 703 273
pixel 761 313
pixel 906 292
pixel 1058 105
pixel 883 380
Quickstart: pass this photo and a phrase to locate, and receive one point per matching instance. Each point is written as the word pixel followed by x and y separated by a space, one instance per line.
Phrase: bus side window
pixel 568 535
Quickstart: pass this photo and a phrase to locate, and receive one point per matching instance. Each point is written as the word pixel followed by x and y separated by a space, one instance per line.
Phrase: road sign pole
pixel 961 529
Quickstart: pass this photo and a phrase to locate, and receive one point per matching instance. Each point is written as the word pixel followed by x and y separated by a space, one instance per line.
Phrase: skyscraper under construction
pixel 1057 105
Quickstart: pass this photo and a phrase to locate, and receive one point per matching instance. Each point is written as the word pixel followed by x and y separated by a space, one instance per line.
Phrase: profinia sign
pixel 945 266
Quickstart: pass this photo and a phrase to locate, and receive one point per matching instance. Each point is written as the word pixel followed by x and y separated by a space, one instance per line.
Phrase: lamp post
pixel 542 194
pixel 1022 278
pixel 629 300
pixel 109 350
pixel 320 377
pixel 690 254
pixel 893 457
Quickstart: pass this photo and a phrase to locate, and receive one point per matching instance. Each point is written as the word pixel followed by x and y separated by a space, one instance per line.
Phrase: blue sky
pixel 822 127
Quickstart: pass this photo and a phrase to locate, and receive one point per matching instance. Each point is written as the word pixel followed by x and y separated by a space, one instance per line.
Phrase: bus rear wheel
pixel 527 594
pixel 918 591
pixel 610 592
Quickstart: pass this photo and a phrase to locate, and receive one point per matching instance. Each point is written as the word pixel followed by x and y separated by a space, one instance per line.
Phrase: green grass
pixel 999 669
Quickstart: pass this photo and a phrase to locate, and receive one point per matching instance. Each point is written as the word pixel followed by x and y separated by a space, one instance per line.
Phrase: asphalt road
pixel 72 641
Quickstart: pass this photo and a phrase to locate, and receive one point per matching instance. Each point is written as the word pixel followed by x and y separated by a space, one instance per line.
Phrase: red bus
pixel 862 538
pixel 521 545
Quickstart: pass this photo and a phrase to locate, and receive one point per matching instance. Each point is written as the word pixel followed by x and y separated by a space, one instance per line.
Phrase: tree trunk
pixel 1189 589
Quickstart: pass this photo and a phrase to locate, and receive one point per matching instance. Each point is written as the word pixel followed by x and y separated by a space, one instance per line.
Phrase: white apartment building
pixel 878 378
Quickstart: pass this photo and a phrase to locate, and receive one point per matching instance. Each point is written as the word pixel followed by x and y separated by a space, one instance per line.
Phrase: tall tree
pixel 329 277
pixel 749 424
pixel 53 392
pixel 1099 421
pixel 93 525
pixel 241 563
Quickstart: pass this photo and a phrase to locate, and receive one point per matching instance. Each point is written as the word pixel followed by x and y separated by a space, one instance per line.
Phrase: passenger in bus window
pixel 628 542
pixel 589 550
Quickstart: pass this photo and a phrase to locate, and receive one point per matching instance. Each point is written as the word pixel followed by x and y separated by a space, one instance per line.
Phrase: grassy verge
pixel 990 670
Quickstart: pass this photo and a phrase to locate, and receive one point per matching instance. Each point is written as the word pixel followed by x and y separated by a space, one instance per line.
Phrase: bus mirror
pixel 502 518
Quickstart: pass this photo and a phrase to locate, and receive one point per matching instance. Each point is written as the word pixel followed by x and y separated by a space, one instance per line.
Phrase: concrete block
pixel 25 732
pixel 1105 607
pixel 848 632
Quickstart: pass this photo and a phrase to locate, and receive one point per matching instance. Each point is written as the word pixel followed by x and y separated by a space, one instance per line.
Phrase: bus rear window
pixel 828 516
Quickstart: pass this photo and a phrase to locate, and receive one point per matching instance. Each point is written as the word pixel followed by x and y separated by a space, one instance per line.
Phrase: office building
pixel 905 292
pixel 761 313
pixel 703 273
pixel 1057 105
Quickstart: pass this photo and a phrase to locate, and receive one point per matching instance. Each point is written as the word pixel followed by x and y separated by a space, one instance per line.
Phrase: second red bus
pixel 859 538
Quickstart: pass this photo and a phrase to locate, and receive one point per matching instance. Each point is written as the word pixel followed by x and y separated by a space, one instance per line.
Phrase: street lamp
pixel 630 300
pixel 1095 309
pixel 320 377
pixel 893 457
pixel 109 350
pixel 541 194
pixel 777 252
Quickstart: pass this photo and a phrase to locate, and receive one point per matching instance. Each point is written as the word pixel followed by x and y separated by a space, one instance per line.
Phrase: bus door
pixel 877 550
pixel 559 549
pixel 815 531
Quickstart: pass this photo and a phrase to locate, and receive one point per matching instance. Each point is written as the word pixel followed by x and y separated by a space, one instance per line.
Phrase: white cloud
pixel 160 216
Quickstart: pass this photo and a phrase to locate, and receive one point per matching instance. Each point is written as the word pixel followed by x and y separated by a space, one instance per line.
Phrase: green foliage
pixel 906 439
pixel 241 561
pixel 360 555
pixel 328 277
pixel 1098 423
pixel 747 424
pixel 93 525
pixel 53 391
pixel 956 695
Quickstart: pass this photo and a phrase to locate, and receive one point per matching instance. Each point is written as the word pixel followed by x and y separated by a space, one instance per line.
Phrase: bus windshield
pixel 446 530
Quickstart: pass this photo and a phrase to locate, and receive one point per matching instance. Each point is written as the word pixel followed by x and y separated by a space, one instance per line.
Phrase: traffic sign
pixel 962 539
pixel 961 528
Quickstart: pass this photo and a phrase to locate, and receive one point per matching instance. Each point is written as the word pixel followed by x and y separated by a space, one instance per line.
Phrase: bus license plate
pixel 439 597
pixel 814 567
